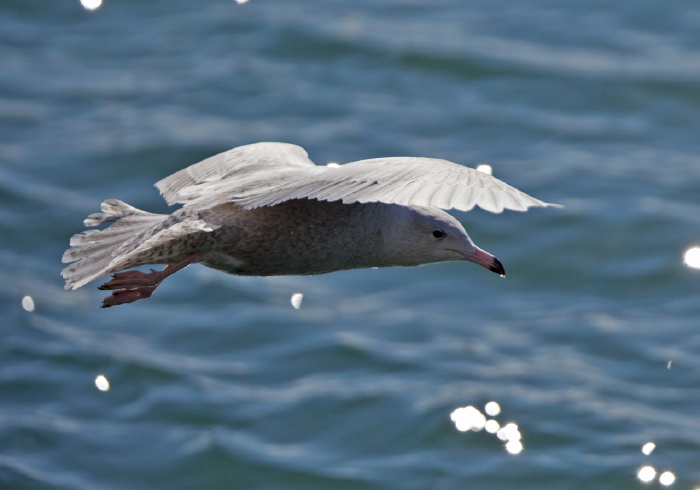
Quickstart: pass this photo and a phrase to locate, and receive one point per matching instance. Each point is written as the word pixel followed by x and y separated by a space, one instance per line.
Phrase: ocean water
pixel 590 345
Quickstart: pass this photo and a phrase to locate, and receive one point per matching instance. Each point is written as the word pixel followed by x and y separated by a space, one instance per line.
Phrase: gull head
pixel 425 235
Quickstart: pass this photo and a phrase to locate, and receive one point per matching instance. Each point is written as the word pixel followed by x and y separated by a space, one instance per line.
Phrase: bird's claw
pixel 130 286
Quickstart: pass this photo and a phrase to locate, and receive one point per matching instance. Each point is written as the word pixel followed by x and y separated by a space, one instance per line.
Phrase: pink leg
pixel 131 286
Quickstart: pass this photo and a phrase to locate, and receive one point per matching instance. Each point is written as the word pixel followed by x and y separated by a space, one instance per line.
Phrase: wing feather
pixel 423 194
pixel 400 180
pixel 442 196
pixel 235 170
pixel 266 174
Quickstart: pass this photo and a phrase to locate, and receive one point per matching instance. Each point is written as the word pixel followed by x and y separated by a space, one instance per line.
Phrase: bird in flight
pixel 265 209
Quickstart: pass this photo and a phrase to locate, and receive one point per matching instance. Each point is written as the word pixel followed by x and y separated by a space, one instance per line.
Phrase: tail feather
pixel 92 251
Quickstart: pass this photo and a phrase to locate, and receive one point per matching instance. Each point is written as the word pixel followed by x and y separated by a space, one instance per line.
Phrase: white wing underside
pixel 266 174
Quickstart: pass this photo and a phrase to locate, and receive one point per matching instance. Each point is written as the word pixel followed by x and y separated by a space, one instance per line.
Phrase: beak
pixel 485 259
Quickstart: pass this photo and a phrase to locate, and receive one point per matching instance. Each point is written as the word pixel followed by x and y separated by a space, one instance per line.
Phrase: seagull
pixel 266 209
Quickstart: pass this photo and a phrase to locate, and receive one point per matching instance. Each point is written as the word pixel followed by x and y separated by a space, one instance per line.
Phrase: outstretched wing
pixel 258 166
pixel 400 180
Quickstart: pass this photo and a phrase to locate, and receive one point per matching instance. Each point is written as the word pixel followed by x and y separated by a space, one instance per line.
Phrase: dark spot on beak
pixel 497 267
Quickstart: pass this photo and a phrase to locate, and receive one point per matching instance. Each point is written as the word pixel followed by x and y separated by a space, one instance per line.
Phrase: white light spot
pixel 509 432
pixel 692 257
pixel 492 409
pixel 91 4
pixel 296 300
pixel 468 418
pixel 333 165
pixel 667 478
pixel 646 474
pixel 240 2
pixel 648 448
pixel 102 383
pixel 492 426
pixel 514 447
pixel 483 167
pixel 28 303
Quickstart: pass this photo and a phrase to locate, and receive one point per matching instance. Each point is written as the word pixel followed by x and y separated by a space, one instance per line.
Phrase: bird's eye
pixel 439 234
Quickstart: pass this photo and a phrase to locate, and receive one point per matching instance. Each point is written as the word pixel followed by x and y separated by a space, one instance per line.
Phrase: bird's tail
pixel 92 251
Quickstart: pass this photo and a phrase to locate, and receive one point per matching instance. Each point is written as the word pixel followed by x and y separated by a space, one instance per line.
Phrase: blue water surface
pixel 590 345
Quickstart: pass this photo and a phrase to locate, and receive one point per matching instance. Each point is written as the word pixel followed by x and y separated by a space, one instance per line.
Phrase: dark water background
pixel 590 345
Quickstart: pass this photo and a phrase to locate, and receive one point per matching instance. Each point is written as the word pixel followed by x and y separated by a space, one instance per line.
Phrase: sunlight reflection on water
pixel 296 300
pixel 102 383
pixel 514 447
pixel 509 432
pixel 91 4
pixel 28 303
pixel 646 473
pixel 648 448
pixel 485 168
pixel 492 426
pixel 470 418
pixel 667 478
pixel 492 409
pixel 692 257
